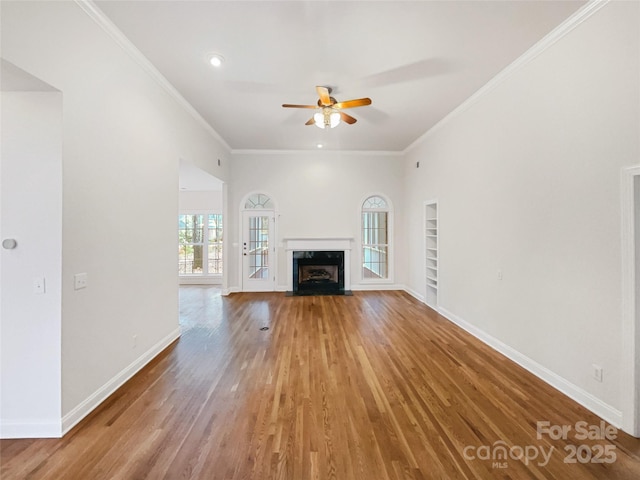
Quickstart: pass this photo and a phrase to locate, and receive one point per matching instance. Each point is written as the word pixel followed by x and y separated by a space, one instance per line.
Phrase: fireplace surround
pixel 318 266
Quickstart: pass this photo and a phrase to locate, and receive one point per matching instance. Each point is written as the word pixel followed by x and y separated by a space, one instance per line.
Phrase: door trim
pixel 630 377
pixel 274 211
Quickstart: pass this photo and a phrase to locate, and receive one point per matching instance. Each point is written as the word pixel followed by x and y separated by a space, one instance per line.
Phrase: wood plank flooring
pixel 373 386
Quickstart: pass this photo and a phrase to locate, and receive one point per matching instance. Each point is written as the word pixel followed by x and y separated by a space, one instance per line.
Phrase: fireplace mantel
pixel 318 243
pixel 301 244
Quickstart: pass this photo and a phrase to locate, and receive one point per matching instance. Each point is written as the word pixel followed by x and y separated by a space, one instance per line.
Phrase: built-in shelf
pixel 431 252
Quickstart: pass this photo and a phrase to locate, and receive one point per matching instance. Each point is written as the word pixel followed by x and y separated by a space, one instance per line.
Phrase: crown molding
pixel 542 45
pixel 98 16
pixel 368 153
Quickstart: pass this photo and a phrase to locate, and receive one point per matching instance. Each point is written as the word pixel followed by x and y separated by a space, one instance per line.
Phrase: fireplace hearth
pixel 318 273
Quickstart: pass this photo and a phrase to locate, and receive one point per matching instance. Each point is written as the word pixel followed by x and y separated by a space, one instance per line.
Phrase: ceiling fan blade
pixel 347 118
pixel 360 102
pixel 289 105
pixel 323 93
pixel 420 70
pixel 311 121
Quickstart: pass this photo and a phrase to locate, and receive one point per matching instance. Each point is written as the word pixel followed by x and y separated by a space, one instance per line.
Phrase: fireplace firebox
pixel 318 273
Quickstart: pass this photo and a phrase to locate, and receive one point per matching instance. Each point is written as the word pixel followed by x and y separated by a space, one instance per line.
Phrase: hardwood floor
pixel 372 386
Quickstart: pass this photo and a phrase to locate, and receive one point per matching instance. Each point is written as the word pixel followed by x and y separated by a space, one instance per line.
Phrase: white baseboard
pixel 199 280
pixel 30 428
pixel 376 286
pixel 86 407
pixel 415 295
pixel 230 290
pixel 584 398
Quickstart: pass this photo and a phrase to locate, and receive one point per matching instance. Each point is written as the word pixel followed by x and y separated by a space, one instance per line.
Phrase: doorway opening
pixel 201 223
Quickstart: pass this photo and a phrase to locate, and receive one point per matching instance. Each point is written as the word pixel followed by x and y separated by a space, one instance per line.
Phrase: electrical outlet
pixel 80 280
pixel 499 274
pixel 134 341
pixel 38 285
pixel 597 372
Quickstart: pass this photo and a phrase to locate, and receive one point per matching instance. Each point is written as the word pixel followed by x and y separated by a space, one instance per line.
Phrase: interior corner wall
pixel 318 195
pixel 30 321
pixel 528 182
pixel 123 136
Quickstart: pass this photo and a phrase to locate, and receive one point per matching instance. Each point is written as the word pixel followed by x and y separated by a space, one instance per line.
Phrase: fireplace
pixel 318 266
pixel 318 272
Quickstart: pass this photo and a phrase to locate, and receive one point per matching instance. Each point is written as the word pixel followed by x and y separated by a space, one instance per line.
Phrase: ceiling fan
pixel 330 112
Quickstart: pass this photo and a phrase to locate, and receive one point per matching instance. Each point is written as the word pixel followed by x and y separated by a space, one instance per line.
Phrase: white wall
pixel 123 136
pixel 528 181
pixel 192 201
pixel 317 194
pixel 30 323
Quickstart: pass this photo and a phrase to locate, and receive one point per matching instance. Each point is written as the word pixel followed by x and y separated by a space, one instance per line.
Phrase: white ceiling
pixel 416 60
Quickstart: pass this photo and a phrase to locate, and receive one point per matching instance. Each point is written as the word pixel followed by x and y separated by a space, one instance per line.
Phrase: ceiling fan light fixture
pixel 216 59
pixel 326 118
pixel 329 112
pixel 334 119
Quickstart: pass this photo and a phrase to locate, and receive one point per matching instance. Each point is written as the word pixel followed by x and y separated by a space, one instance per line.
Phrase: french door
pixel 258 251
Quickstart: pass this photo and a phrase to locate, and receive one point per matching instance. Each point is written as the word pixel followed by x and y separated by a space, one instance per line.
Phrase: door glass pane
pixel 258 247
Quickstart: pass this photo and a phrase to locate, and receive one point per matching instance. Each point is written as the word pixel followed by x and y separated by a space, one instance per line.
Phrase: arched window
pixel 375 238
pixel 258 200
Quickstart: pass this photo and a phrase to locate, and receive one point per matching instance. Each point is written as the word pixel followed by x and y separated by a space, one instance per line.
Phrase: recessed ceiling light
pixel 216 60
pixel 319 145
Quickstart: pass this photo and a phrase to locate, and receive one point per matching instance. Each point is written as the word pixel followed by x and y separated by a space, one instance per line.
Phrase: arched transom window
pixel 258 200
pixel 375 238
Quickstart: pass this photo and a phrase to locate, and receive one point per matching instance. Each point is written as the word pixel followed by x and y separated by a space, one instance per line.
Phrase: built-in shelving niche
pixel 431 252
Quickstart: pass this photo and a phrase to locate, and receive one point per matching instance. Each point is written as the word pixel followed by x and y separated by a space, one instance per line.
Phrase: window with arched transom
pixel 375 234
